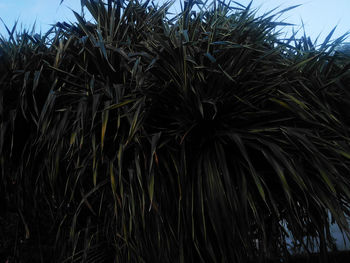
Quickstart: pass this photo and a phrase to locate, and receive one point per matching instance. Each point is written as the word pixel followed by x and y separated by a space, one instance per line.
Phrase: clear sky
pixel 319 16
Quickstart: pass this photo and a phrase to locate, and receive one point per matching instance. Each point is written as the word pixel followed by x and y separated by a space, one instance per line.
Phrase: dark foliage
pixel 145 138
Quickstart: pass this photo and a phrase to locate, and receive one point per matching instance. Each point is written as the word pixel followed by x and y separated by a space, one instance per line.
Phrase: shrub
pixel 149 138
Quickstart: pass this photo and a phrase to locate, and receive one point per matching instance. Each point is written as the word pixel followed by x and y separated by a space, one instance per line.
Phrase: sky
pixel 318 16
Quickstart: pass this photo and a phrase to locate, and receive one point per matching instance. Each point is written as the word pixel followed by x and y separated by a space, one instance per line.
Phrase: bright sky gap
pixel 318 16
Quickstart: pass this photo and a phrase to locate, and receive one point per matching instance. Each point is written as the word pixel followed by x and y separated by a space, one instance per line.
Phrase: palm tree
pixel 202 137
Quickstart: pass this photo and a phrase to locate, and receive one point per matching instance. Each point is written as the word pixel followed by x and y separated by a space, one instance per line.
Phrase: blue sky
pixel 319 16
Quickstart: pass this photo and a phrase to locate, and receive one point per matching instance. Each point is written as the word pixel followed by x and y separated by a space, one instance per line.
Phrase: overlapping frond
pixel 202 137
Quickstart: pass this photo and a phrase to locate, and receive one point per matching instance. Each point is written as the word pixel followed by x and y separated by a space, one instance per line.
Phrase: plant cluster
pixel 145 137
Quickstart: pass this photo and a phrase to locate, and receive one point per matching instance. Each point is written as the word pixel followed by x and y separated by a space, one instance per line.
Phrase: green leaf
pixel 243 151
pixel 328 37
pixel 105 115
pixel 151 190
pixel 118 105
pixel 343 153
pixel 327 181
pixel 112 178
pixel 211 58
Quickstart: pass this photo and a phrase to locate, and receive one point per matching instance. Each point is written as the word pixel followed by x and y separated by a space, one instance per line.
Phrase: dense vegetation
pixel 145 137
